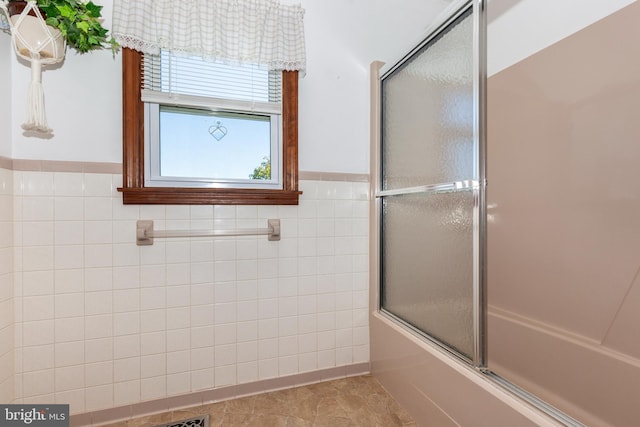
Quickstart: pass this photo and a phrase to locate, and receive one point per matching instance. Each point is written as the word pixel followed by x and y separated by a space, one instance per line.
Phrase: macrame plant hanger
pixel 40 44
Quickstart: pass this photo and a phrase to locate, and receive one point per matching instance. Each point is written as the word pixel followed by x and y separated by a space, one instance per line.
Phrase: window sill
pixel 202 196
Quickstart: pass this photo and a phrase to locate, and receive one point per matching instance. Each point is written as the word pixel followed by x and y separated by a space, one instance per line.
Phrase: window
pixel 191 147
pixel 210 123
pixel 163 178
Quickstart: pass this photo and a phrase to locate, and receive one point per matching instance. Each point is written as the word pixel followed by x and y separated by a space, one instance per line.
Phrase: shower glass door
pixel 430 195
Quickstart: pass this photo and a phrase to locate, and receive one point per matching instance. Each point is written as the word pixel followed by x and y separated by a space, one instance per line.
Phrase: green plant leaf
pixel 53 22
pixel 84 26
pixel 66 10
pixel 93 9
pixel 50 10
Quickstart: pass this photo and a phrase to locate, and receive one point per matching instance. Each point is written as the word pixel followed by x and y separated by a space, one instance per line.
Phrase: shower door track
pixel 532 400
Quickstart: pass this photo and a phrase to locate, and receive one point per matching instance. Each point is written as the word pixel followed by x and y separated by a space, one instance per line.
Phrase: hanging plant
pixel 79 22
pixel 41 30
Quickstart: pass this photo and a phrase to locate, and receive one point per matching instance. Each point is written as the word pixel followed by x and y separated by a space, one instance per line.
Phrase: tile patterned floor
pixel 357 401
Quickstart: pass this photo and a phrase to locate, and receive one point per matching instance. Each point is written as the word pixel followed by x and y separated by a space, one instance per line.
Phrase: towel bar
pixel 145 232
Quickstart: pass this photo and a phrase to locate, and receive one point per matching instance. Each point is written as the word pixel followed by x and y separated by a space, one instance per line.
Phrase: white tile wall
pixel 101 322
pixel 7 313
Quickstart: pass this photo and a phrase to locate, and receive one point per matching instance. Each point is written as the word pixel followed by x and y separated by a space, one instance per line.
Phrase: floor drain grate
pixel 202 421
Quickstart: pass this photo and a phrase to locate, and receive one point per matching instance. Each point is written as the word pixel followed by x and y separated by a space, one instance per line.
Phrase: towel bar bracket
pixel 274 226
pixel 144 232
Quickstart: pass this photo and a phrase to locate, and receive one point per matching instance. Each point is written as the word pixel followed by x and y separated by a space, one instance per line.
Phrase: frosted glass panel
pixel 427 264
pixel 427 108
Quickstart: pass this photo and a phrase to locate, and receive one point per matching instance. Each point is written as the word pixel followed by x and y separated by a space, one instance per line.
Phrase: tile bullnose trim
pixel 27 165
pixel 141 409
pixel 6 163
pixel 333 176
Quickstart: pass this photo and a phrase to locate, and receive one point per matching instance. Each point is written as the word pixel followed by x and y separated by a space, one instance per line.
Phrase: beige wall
pixel 564 222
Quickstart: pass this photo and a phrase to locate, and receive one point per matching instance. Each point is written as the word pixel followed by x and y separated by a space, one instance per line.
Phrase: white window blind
pixel 195 82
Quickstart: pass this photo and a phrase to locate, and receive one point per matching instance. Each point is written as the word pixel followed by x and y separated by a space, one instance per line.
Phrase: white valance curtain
pixel 244 31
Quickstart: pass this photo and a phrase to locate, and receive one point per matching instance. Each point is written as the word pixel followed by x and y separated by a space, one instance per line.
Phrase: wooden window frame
pixel 133 189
